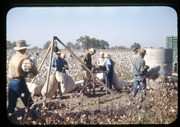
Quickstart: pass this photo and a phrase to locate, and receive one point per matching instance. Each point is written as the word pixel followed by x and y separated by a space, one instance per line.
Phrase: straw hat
pixel 169 77
pixel 143 51
pixel 58 52
pixel 106 55
pixel 20 45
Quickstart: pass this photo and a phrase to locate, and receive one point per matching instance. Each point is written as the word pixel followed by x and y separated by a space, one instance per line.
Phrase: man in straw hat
pixel 109 68
pixel 139 73
pixel 88 62
pixel 57 62
pixel 19 67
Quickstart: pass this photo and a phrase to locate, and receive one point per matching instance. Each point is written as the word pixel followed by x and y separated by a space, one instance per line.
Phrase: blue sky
pixel 148 26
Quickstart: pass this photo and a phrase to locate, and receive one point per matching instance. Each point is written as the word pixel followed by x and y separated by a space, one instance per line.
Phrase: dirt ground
pixel 158 107
pixel 88 101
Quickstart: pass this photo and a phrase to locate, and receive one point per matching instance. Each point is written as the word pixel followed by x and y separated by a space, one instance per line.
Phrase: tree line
pixel 86 42
pixel 81 43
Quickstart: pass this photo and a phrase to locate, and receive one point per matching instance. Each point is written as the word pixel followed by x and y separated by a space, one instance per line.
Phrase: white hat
pixel 106 55
pixel 92 50
pixel 102 53
pixel 20 45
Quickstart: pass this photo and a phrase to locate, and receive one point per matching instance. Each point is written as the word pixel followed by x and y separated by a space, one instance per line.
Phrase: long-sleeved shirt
pixel 134 56
pixel 65 62
pixel 100 61
pixel 87 60
pixel 109 64
pixel 58 62
pixel 16 68
pixel 139 66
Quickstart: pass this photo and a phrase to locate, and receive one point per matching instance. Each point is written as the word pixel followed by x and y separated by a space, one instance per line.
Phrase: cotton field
pixel 123 63
pixel 159 107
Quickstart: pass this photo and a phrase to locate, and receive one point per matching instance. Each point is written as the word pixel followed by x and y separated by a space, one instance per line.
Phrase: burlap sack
pixel 66 82
pixel 52 88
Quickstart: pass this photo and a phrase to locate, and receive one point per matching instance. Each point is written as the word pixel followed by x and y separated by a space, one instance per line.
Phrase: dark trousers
pixel 16 89
pixel 109 78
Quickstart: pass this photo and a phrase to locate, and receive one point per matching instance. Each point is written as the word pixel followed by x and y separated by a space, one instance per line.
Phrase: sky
pixel 119 26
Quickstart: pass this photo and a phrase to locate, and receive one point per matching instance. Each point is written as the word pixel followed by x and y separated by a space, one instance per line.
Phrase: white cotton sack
pixel 116 83
pixel 52 87
pixel 34 89
pixel 67 84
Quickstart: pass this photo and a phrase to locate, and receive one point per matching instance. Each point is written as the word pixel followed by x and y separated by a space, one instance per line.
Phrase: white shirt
pixel 100 61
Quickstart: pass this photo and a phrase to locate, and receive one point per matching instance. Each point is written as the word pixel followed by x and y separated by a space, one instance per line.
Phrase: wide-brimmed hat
pixel 102 53
pixel 143 51
pixel 58 52
pixel 20 45
pixel 169 77
pixel 92 50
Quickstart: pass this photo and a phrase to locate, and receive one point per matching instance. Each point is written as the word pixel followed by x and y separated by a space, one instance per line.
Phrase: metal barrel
pixel 159 57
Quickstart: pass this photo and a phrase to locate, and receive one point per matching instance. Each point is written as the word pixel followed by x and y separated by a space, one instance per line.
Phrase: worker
pixel 136 54
pixel 139 74
pixel 57 63
pixel 65 67
pixel 88 62
pixel 19 67
pixel 109 68
pixel 101 60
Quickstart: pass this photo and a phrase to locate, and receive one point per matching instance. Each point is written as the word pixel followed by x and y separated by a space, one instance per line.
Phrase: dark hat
pixel 134 48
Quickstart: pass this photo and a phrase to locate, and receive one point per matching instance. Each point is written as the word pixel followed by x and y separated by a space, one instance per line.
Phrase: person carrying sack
pixel 109 68
pixel 19 67
pixel 140 70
